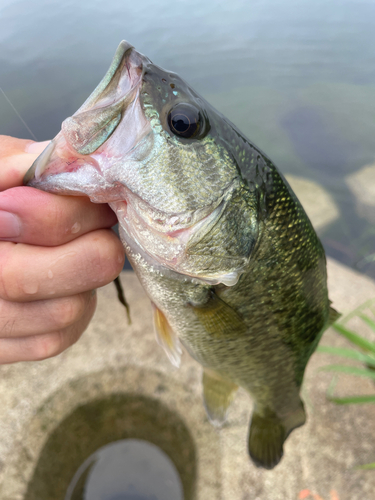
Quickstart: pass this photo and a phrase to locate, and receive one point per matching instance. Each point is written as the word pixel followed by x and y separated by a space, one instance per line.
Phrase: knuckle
pixel 7 321
pixel 68 310
pixel 107 257
pixel 7 327
pixel 58 224
pixel 46 346
pixel 9 287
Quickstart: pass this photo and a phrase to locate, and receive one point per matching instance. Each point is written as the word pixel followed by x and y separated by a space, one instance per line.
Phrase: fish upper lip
pixel 121 51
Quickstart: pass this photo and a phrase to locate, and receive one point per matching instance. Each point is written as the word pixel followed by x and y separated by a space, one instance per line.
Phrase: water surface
pixel 298 78
pixel 129 469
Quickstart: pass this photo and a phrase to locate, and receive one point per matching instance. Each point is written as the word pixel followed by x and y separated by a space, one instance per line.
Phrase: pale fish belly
pixel 248 360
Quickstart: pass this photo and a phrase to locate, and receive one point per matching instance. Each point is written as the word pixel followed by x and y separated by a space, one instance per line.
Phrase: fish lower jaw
pixel 139 256
pixel 183 224
pixel 168 249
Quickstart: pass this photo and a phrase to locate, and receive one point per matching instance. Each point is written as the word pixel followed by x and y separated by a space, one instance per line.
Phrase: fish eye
pixel 185 120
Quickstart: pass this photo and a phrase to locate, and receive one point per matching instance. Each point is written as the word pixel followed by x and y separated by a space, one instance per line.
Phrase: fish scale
pixel 220 243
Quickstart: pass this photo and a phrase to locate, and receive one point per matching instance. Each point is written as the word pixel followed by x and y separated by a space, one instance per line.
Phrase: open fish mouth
pixel 85 135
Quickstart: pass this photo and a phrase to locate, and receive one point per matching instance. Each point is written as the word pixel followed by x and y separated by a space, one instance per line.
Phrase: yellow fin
pixel 166 337
pixel 218 393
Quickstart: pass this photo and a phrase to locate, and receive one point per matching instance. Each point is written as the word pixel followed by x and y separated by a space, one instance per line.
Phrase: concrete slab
pixel 319 457
pixel 42 401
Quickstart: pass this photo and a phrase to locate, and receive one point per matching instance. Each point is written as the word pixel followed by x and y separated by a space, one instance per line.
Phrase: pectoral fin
pixel 219 319
pixel 166 337
pixel 218 393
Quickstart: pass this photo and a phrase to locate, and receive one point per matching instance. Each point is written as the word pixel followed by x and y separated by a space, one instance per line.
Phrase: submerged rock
pixel 317 202
pixel 362 185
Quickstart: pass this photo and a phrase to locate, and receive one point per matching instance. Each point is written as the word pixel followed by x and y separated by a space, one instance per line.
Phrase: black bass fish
pixel 219 241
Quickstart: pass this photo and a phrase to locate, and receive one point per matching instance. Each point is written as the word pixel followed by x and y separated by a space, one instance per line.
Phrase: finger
pixel 42 316
pixel 16 157
pixel 28 215
pixel 29 273
pixel 38 347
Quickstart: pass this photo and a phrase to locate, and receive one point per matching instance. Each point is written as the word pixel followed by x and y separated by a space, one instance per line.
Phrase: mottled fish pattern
pixel 233 267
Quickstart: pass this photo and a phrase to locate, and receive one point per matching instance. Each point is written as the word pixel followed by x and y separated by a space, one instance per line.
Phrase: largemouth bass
pixel 232 265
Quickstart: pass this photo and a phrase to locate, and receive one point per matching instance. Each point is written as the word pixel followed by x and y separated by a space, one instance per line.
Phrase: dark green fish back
pixel 300 267
pixel 288 260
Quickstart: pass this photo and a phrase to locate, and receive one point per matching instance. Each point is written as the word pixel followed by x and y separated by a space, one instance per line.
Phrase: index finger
pixel 16 156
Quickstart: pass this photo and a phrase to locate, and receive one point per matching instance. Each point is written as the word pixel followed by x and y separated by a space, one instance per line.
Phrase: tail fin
pixel 268 433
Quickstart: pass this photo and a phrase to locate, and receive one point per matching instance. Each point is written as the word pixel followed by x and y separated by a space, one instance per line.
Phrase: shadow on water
pixel 157 438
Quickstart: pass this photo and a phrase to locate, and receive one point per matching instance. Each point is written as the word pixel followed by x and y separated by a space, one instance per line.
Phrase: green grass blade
pixel 351 370
pixel 347 353
pixel 331 387
pixel 369 321
pixel 369 304
pixel 355 339
pixel 366 466
pixel 353 400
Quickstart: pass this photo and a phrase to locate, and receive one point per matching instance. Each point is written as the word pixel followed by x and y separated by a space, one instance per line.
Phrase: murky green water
pixel 119 447
pixel 298 78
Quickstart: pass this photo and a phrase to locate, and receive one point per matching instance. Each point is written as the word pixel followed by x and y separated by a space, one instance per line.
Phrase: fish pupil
pixel 184 120
pixel 181 123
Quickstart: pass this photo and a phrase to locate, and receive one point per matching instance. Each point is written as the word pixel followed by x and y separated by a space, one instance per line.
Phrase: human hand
pixel 54 251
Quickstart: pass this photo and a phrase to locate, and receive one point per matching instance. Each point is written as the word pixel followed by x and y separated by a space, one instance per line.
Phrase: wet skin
pixel 54 252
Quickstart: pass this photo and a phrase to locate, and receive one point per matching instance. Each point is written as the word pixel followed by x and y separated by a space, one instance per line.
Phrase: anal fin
pixel 166 337
pixel 268 433
pixel 218 393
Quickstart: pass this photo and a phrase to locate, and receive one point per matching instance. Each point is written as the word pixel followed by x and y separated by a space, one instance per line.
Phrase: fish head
pixel 146 143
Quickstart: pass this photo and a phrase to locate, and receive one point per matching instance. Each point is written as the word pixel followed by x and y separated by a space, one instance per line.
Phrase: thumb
pixel 16 156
